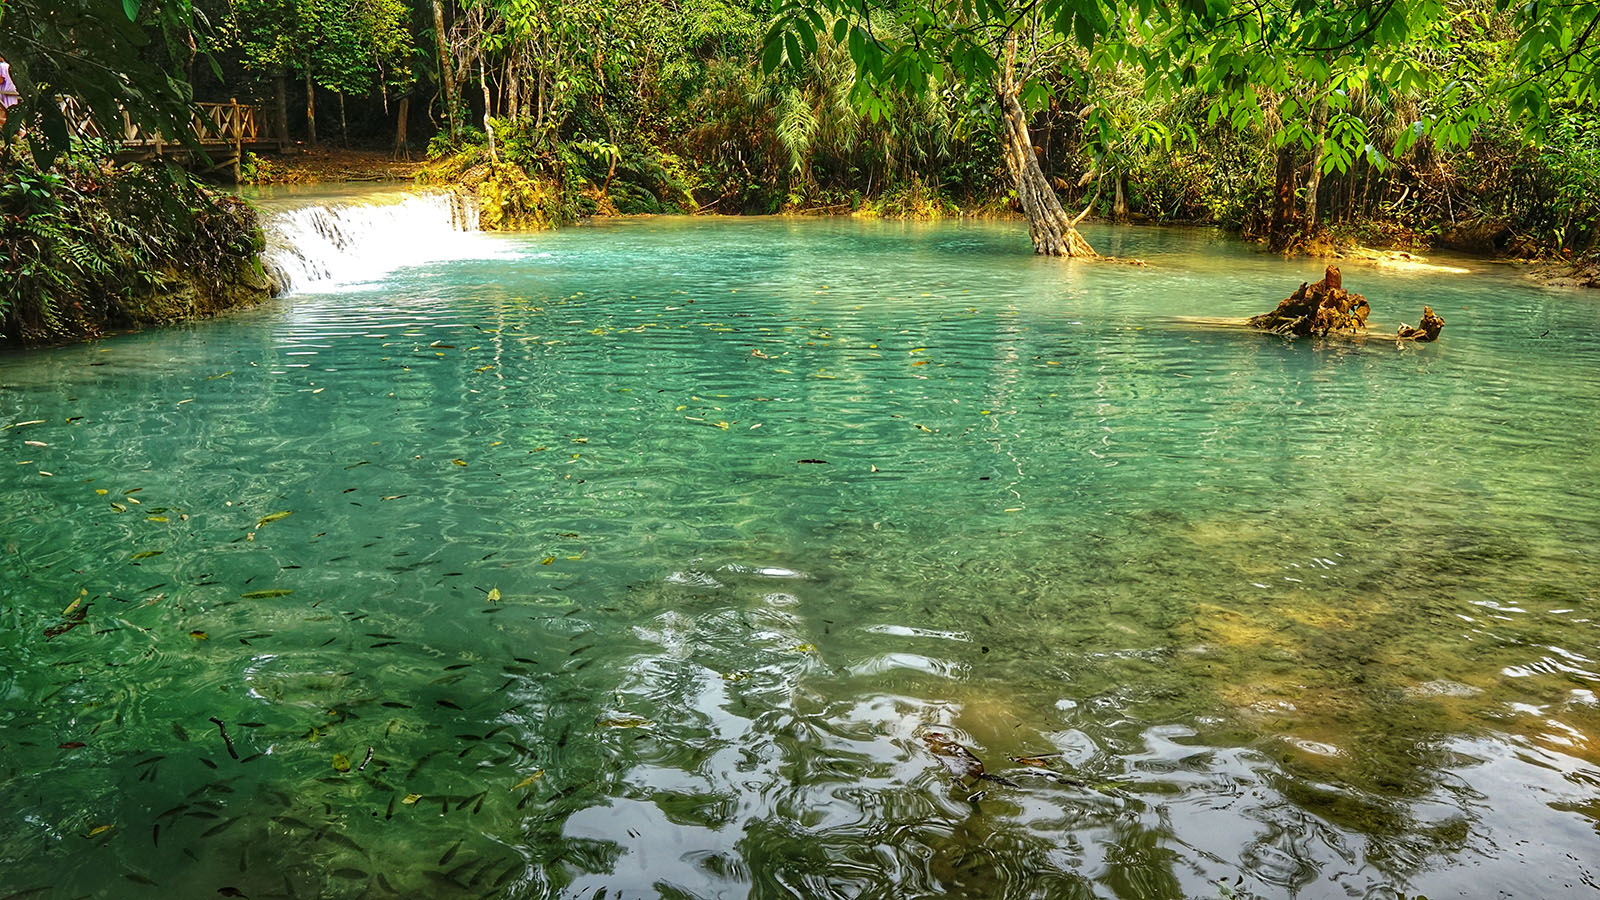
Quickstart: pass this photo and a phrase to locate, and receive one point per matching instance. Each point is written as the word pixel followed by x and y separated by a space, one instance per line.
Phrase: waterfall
pixel 328 246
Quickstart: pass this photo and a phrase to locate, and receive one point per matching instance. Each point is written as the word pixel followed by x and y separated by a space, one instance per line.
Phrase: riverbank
pixel 87 248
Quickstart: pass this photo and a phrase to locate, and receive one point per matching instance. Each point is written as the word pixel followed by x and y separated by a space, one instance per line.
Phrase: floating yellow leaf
pixel 101 491
pixel 920 362
pixel 459 462
pixel 82 593
pixel 146 554
pixel 411 799
pixel 199 635
pixel 804 648
pixel 156 519
pixel 494 595
pixel 273 517
pixel 527 781
pixel 341 763
pixel 100 829
pixel 42 444
pixel 547 560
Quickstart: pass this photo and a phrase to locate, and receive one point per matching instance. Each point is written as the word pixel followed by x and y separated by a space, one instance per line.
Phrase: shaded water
pixel 1299 619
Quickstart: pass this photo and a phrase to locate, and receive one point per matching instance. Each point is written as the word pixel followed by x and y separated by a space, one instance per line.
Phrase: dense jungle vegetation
pixel 1408 122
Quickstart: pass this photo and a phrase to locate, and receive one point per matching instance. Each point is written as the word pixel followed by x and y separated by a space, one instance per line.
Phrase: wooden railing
pixel 231 124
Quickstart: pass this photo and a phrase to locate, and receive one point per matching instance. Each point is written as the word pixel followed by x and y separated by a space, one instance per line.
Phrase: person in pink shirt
pixel 9 96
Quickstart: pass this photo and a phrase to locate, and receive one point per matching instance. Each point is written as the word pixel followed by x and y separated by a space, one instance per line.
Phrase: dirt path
pixel 327 165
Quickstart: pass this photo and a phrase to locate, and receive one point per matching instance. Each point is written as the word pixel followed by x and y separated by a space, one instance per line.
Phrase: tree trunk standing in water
pixel 1053 232
pixel 311 110
pixel 446 76
pixel 1119 207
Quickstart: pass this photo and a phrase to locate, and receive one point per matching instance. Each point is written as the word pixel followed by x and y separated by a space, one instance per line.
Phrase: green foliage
pixel 81 245
pixel 349 46
pixel 112 57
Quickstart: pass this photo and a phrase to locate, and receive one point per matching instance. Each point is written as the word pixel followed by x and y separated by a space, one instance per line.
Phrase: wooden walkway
pixel 225 131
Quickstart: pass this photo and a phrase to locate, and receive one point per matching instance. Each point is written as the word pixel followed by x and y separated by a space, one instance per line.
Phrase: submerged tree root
pixel 1317 309
pixel 1327 308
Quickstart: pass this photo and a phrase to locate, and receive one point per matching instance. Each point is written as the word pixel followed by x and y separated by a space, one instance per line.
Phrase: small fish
pixel 447 704
pixel 263 595
pixel 220 827
pixel 136 878
pixel 349 872
pixel 334 837
pixel 225 739
pixel 450 854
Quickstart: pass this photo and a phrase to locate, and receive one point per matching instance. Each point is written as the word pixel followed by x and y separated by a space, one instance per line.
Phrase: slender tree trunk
pixel 513 88
pixel 1278 234
pixel 311 110
pixel 447 75
pixel 280 100
pixel 401 145
pixel 1054 233
pixel 1119 207
pixel 488 126
pixel 1314 177
pixel 344 126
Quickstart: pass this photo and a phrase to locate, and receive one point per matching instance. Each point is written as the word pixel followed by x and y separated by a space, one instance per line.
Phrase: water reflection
pixel 619 605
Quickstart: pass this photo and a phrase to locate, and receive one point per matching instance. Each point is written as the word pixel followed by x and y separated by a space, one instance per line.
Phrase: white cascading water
pixel 330 246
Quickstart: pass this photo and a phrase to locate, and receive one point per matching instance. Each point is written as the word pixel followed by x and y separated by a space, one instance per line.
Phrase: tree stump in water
pixel 1317 309
pixel 1426 330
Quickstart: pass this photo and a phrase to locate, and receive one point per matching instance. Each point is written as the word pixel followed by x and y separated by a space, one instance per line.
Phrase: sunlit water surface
pixel 643 557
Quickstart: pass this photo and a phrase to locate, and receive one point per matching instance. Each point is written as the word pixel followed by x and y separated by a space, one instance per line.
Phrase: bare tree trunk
pixel 513 88
pixel 311 110
pixel 344 126
pixel 1053 232
pixel 1119 206
pixel 1278 235
pixel 446 74
pixel 1314 178
pixel 280 101
pixel 488 126
pixel 401 145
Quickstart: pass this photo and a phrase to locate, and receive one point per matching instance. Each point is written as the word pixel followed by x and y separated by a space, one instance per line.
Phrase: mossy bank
pixel 87 248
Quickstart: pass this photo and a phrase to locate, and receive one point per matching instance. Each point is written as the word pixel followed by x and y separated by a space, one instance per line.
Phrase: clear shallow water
pixel 1300 619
